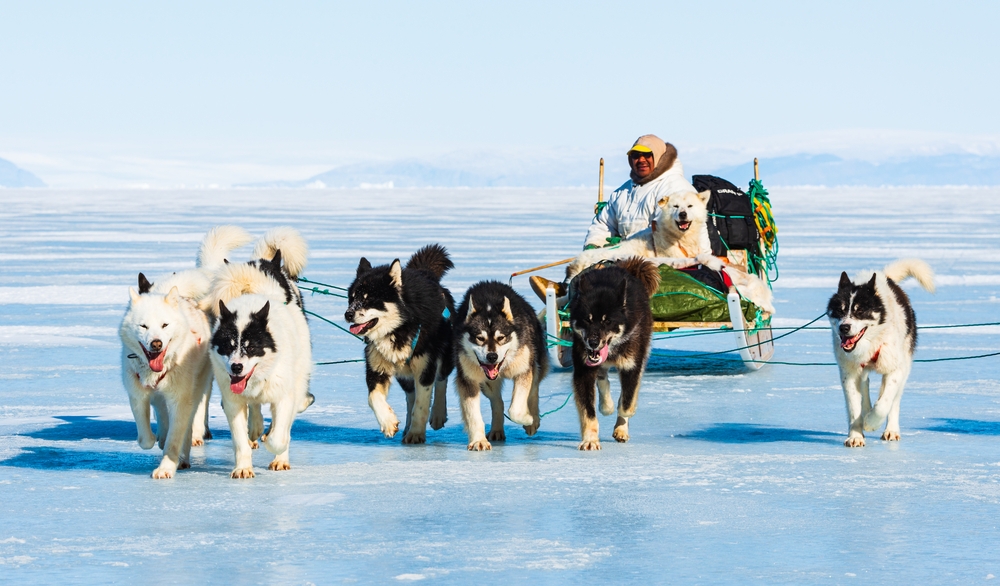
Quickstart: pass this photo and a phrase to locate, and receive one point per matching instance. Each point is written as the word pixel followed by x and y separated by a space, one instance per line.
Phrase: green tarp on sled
pixel 683 298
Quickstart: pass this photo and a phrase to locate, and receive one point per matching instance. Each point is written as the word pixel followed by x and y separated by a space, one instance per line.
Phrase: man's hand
pixel 590 247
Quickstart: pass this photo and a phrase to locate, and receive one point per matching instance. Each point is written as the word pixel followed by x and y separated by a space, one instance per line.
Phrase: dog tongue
pixel 238 385
pixel 602 356
pixel 356 328
pixel 156 362
pixel 491 370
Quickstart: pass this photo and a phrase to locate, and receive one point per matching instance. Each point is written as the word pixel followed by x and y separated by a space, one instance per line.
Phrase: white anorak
pixel 631 207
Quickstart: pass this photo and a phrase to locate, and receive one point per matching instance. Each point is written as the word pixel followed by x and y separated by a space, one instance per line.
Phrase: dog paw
pixel 620 434
pixel 607 405
pixel 438 420
pixel 208 434
pixel 162 472
pixel 197 443
pixel 531 429
pixel 709 261
pixel 390 428
pixel 480 446
pixel 415 437
pixel 856 441
pixel 254 445
pixel 890 436
pixel 279 466
pixel 242 473
pixel 590 445
pixel 520 417
pixel 497 435
pixel 873 421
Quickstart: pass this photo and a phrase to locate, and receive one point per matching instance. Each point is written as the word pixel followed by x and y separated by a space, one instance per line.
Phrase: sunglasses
pixel 634 156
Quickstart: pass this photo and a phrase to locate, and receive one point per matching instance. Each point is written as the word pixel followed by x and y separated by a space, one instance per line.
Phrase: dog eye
pixel 143 326
pixel 163 326
pixel 500 339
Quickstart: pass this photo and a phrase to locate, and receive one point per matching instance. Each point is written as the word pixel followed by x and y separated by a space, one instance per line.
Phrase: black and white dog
pixel 875 330
pixel 498 337
pixel 405 316
pixel 612 326
pixel 261 351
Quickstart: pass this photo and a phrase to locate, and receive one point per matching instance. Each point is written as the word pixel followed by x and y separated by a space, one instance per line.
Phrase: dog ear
pixel 396 274
pixel 261 314
pixel 363 266
pixel 663 201
pixel 871 283
pixel 144 284
pixel 472 309
pixel 704 196
pixel 845 282
pixel 173 297
pixel 224 312
pixel 133 295
pixel 506 310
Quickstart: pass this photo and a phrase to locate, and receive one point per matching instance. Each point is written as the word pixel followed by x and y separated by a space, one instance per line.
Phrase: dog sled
pixel 742 231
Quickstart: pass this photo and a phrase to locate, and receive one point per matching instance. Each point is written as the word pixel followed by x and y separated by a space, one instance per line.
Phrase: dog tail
pixel 294 250
pixel 911 267
pixel 432 258
pixel 218 243
pixel 235 279
pixel 643 270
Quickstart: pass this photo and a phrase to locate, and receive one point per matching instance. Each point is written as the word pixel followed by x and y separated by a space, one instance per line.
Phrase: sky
pixel 206 92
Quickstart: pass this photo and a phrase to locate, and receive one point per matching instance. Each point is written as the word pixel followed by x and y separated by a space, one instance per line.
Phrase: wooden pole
pixel 756 171
pixel 600 189
pixel 551 264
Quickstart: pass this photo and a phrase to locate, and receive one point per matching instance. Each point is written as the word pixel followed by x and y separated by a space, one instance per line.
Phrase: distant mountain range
pixel 800 169
pixel 830 170
pixel 13 176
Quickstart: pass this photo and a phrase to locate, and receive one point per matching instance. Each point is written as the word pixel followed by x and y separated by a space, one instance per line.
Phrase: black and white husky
pixel 498 337
pixel 612 326
pixel 405 316
pixel 261 351
pixel 875 330
pixel 165 339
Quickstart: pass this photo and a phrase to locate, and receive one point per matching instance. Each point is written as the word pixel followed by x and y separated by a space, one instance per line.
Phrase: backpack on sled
pixel 731 224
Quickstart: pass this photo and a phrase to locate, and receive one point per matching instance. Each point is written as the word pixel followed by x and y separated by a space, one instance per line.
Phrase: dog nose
pixel 155 346
pixel 593 343
pixel 349 315
pixel 491 357
pixel 845 329
pixel 683 215
pixel 236 368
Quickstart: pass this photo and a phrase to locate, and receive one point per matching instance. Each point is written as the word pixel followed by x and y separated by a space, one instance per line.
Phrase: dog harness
pixel 873 359
pixel 413 345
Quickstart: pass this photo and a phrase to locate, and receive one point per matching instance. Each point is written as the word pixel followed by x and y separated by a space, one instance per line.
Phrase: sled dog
pixel 165 339
pixel 612 326
pixel 498 337
pixel 875 330
pixel 261 349
pixel 405 316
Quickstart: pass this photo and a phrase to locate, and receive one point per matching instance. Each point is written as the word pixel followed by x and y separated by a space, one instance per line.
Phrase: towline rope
pixel 554 341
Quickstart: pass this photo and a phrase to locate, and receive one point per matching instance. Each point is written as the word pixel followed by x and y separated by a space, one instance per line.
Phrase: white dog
pixel 678 237
pixel 875 330
pixel 261 349
pixel 165 338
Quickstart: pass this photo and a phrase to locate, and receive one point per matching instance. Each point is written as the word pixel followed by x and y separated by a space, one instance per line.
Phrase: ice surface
pixel 730 477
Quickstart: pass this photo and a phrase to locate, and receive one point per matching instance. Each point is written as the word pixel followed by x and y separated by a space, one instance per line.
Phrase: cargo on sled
pixel 742 231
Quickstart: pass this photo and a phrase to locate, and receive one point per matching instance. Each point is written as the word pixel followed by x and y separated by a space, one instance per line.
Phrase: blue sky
pixel 248 89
